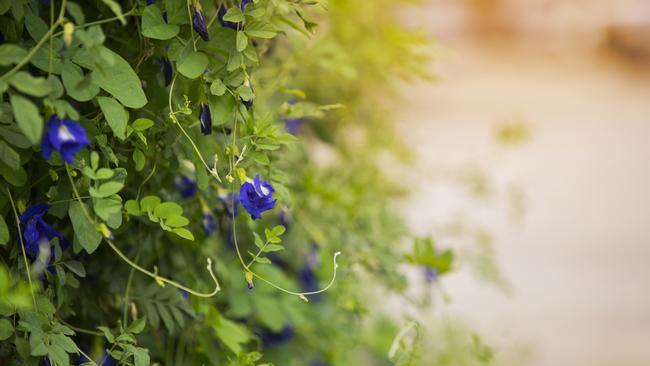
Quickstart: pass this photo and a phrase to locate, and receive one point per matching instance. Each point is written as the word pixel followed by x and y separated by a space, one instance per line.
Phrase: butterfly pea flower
pixel 206 119
pixel 37 232
pixel 273 339
pixel 150 2
pixel 224 23
pixel 209 223
pixel 185 186
pixel 430 274
pixel 198 21
pixel 166 68
pixel 65 136
pixel 248 103
pixel 292 125
pixel 257 197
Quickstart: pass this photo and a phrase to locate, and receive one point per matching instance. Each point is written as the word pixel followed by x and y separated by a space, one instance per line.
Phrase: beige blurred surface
pixel 578 261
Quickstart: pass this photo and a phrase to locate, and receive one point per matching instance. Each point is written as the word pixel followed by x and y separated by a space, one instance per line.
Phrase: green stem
pixel 38 45
pixel 22 246
pixel 101 21
pixel 126 295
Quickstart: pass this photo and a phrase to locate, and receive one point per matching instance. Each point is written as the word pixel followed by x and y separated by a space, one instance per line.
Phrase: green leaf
pixel 16 177
pixel 221 109
pixel 29 120
pixel 193 65
pixel 142 124
pixel 104 173
pixel 84 229
pixel 242 41
pixel 4 232
pixel 167 210
pixel 234 15
pixel 278 230
pixel 184 233
pixel 217 87
pixel 261 260
pixel 75 12
pixel 36 27
pixel 106 190
pixel 118 78
pixel 76 268
pixel 106 207
pixel 9 156
pixel 6 329
pixel 78 86
pixel 138 159
pixel 153 25
pixel 260 29
pixel 116 116
pixel 148 203
pixel 177 221
pixel 26 83
pixel 273 248
pixel 11 54
pixel 258 241
pixel 132 207
pixel 137 326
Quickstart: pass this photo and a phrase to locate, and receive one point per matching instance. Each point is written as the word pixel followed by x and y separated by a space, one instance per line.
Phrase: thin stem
pixel 101 21
pixel 22 246
pixel 87 357
pixel 153 170
pixel 38 45
pixel 126 295
pixel 158 279
pixel 49 65
pixel 80 330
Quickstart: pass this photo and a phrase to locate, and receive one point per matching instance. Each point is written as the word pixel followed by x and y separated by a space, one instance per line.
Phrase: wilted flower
pixel 206 119
pixel 65 136
pixel 36 231
pixel 186 186
pixel 199 23
pixel 166 68
pixel 209 223
pixel 257 197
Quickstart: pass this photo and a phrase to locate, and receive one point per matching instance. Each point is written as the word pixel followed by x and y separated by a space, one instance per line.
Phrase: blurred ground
pixel 577 263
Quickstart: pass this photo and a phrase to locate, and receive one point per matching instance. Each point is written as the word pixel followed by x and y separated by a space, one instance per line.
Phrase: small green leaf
pixel 184 233
pixel 177 221
pixel 167 210
pixel 260 29
pixel 84 229
pixel 4 231
pixel 242 41
pixel 154 26
pixel 258 241
pixel 78 86
pixel 193 65
pixel 76 268
pixel 26 83
pixel 116 116
pixel 132 208
pixel 75 12
pixel 278 230
pixel 234 15
pixel 137 326
pixel 106 190
pixel 116 9
pixel 104 173
pixel 6 329
pixel 11 54
pixel 138 159
pixel 262 260
pixel 9 156
pixel 272 248
pixel 106 207
pixel 217 87
pixel 142 124
pixel 29 120
pixel 148 203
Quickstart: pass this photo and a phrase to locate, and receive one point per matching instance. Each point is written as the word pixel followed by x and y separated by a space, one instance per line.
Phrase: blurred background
pixel 534 141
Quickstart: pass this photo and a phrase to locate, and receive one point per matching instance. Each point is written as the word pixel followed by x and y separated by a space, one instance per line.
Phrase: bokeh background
pixel 531 157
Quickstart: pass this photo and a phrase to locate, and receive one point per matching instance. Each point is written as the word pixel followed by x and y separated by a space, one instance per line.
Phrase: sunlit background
pixel 531 147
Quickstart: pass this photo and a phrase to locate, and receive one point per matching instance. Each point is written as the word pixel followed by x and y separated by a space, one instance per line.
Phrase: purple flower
pixel 199 24
pixel 209 223
pixel 150 2
pixel 249 103
pixel 206 119
pixel 36 231
pixel 243 4
pixel 232 199
pixel 430 274
pixel 257 197
pixel 292 125
pixel 271 339
pixel 166 68
pixel 186 186
pixel 65 136
pixel 224 23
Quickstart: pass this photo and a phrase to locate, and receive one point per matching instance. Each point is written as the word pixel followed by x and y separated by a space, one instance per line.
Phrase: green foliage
pixel 139 246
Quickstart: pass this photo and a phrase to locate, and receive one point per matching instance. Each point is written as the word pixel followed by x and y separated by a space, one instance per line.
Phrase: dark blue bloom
pixel 36 231
pixel 199 24
pixel 309 282
pixel 166 68
pixel 186 186
pixel 150 2
pixel 243 4
pixel 249 103
pixel 206 119
pixel 224 23
pixel 65 136
pixel 209 223
pixel 257 197
pixel 285 219
pixel 270 339
pixel 185 294
pixel 292 125
pixel 430 274
pixel 2 38
pixel 232 199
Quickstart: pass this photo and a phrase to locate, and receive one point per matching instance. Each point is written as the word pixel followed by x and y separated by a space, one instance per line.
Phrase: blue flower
pixel 65 136
pixel 224 23
pixel 36 231
pixel 199 24
pixel 232 199
pixel 166 68
pixel 292 125
pixel 248 103
pixel 150 2
pixel 257 197
pixel 206 119
pixel 271 339
pixel 186 186
pixel 2 38
pixel 209 223
pixel 430 274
